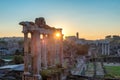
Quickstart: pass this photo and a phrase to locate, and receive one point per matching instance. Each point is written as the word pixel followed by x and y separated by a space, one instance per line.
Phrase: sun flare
pixel 57 34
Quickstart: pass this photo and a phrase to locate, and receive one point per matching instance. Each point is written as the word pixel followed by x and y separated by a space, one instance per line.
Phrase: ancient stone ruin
pixel 43 49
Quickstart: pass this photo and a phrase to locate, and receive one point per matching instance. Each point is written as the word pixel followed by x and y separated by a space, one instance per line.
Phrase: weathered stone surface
pixel 26 23
pixel 42 50
pixel 40 22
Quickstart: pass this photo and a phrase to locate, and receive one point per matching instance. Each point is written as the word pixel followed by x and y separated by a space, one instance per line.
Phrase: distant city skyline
pixel 93 19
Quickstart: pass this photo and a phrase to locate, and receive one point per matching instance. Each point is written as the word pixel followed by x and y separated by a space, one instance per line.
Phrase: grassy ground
pixel 113 71
pixel 6 57
pixel 51 71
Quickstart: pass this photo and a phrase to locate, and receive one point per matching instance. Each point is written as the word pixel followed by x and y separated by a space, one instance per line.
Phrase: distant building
pixel 77 35
pixel 4 52
pixel 108 37
pixel 108 46
pixel 9 45
pixel 102 46
pixel 76 39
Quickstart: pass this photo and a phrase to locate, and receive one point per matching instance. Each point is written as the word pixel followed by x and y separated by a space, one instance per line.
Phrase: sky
pixel 93 19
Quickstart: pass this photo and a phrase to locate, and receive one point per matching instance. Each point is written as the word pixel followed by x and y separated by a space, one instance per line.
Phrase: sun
pixel 57 34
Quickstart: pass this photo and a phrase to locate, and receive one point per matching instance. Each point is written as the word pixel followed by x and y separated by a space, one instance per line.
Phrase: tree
pixel 18 59
pixel 72 51
pixel 2 62
pixel 82 49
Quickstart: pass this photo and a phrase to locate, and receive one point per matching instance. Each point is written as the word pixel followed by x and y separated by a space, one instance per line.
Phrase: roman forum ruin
pixel 43 49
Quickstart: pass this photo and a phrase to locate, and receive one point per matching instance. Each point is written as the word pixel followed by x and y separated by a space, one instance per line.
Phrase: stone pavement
pixel 78 69
pixel 100 71
pixel 90 71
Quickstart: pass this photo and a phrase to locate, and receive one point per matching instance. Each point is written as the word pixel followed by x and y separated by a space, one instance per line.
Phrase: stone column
pixel 54 52
pixel 52 41
pixel 57 52
pixel 108 49
pixel 44 42
pixel 49 53
pixel 105 49
pixel 36 54
pixel 61 50
pixel 50 45
pixel 26 53
pixel 102 49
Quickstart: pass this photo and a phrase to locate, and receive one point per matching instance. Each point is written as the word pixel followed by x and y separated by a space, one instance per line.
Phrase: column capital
pixel 25 32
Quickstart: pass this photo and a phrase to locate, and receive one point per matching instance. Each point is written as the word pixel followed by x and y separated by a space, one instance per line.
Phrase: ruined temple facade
pixel 43 49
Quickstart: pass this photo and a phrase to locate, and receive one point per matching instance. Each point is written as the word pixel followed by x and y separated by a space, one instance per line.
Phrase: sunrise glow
pixel 93 19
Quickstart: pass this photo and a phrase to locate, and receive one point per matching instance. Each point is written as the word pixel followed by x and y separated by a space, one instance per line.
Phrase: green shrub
pixel 18 59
